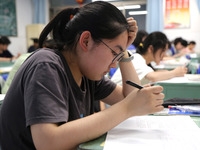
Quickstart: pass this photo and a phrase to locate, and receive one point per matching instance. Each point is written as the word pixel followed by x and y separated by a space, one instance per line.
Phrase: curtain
pixel 198 4
pixel 155 16
pixel 39 11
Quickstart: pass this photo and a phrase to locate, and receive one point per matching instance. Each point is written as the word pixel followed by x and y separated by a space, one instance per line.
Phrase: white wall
pixel 24 12
pixel 192 33
pixel 24 16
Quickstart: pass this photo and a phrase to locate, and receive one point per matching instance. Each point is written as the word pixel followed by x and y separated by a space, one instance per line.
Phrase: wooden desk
pixel 98 144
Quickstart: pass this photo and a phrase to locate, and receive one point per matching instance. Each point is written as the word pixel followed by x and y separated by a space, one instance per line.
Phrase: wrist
pixel 127 57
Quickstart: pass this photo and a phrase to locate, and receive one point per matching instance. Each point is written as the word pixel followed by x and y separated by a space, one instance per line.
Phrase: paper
pixel 154 133
pixel 188 78
pixel 2 97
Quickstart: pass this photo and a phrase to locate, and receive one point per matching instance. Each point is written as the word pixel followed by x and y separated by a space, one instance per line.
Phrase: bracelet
pixel 127 59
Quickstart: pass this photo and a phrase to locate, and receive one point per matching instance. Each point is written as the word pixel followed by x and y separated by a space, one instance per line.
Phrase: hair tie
pixel 71 16
pixel 141 45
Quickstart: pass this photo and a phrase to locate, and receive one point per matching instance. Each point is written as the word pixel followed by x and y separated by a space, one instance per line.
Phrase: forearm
pixel 71 134
pixel 128 73
pixel 160 75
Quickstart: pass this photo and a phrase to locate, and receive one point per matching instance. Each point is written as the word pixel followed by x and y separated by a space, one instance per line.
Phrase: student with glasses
pixel 49 104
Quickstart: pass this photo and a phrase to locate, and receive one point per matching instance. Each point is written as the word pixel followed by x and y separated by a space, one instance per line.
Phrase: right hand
pixel 180 71
pixel 145 101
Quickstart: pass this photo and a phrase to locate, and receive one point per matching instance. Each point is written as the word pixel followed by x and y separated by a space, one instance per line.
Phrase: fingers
pixel 133 28
pixel 156 89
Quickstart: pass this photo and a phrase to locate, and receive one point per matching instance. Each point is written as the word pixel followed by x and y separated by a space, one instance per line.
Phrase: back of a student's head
pixel 101 19
pixel 140 37
pixel 4 40
pixel 157 40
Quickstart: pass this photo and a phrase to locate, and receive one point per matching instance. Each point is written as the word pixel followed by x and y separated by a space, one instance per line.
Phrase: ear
pixel 84 39
pixel 150 49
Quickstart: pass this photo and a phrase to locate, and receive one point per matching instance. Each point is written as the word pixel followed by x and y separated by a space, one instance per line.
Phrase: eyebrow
pixel 121 49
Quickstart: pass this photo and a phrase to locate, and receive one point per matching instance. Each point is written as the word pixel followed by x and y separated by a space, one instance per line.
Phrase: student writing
pixel 152 49
pixel 49 104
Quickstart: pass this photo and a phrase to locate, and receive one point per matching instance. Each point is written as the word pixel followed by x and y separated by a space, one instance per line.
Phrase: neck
pixel 73 65
pixel 147 58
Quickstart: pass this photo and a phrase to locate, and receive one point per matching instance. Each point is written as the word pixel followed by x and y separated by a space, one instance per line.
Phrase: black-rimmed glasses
pixel 118 57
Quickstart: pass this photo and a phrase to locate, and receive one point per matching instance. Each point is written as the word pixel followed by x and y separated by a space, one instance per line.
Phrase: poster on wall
pixel 8 25
pixel 177 14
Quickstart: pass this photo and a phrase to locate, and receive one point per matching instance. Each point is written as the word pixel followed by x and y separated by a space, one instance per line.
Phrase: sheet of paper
pixel 154 133
pixel 188 78
pixel 2 96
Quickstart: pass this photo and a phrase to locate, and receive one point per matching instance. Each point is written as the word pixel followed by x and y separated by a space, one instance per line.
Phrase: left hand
pixel 133 28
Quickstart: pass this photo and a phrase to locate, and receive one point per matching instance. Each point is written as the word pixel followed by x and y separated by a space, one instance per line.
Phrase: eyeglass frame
pixel 120 55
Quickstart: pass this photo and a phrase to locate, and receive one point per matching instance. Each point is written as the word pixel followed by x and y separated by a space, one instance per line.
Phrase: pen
pixel 134 84
pixel 192 109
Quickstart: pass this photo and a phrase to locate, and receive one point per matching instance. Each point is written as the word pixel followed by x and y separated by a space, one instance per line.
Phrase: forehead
pixel 121 40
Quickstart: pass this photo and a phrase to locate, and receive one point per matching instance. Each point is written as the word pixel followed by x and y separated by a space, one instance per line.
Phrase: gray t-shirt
pixel 44 91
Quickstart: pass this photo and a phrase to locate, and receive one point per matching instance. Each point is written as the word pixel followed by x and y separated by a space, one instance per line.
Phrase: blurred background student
pixel 177 45
pixel 140 37
pixel 191 46
pixel 34 46
pixel 153 48
pixel 5 54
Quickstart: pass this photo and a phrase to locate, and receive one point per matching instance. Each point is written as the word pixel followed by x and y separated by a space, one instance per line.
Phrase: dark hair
pixel 177 40
pixel 102 19
pixel 4 40
pixel 50 44
pixel 139 37
pixel 156 39
pixel 192 42
pixel 184 43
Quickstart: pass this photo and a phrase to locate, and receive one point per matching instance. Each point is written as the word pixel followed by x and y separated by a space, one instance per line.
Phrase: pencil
pixel 134 84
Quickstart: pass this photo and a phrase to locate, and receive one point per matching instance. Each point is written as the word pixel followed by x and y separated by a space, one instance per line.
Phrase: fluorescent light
pixel 132 7
pixel 137 12
pixel 129 7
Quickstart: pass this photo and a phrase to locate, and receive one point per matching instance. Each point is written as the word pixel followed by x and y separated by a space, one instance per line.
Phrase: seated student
pixel 153 49
pixel 49 104
pixel 140 37
pixel 176 47
pixel 5 54
pixel 191 46
pixel 34 46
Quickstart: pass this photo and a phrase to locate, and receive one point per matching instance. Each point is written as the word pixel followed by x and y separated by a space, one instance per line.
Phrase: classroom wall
pixel 192 33
pixel 24 15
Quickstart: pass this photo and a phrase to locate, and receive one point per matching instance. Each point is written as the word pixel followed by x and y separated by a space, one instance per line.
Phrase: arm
pixel 165 75
pixel 69 135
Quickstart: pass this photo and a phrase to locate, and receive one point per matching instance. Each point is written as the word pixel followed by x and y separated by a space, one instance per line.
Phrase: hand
pixel 180 71
pixel 145 101
pixel 133 28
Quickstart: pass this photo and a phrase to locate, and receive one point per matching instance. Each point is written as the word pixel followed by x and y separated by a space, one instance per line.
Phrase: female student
pixel 49 104
pixel 152 49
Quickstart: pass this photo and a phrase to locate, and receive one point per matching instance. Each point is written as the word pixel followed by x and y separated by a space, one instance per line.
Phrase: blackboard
pixel 8 24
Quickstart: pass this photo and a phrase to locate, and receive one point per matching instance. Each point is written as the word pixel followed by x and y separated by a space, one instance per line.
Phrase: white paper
pixel 188 78
pixel 154 133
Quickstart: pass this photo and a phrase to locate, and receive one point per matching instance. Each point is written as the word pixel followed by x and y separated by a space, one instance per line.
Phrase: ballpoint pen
pixel 134 84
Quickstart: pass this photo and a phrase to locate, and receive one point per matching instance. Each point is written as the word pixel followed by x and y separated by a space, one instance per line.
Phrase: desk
pixel 183 87
pixel 96 144
pixel 5 67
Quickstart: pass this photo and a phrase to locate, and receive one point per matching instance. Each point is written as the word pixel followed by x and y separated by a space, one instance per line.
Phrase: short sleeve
pixel 45 95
